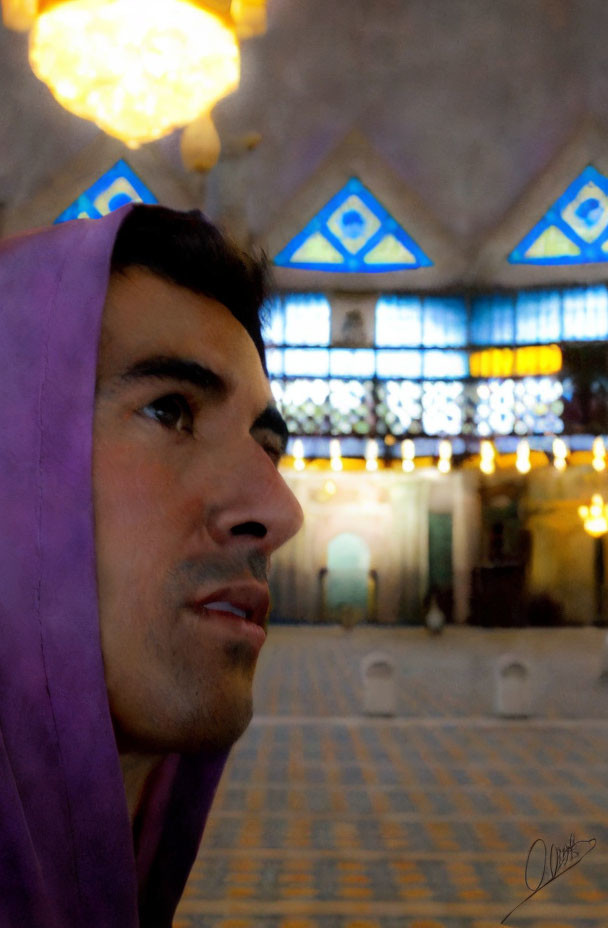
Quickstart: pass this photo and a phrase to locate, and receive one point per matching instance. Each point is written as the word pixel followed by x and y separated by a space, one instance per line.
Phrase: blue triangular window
pixel 574 230
pixel 353 233
pixel 115 188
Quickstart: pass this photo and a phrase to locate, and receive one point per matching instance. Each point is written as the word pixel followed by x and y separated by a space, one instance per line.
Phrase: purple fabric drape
pixel 66 848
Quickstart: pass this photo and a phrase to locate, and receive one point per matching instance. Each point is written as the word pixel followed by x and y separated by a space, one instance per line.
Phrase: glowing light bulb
pixel 522 459
pixel 599 454
pixel 595 516
pixel 371 455
pixel 408 453
pixel 136 68
pixel 487 457
pixel 444 464
pixel 560 453
pixel 335 455
pixel 298 454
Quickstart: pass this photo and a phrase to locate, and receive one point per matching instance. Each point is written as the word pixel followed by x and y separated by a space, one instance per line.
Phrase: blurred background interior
pixel 429 179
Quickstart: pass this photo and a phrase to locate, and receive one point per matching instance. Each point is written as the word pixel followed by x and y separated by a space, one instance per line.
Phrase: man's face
pixel 188 507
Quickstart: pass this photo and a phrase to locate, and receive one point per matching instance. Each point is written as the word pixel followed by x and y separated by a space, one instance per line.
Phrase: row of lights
pixel 594 516
pixel 487 455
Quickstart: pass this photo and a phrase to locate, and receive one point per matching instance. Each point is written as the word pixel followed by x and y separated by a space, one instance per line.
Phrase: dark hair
pixel 186 249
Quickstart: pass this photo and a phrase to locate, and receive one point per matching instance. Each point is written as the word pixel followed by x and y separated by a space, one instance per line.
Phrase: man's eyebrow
pixel 167 368
pixel 272 419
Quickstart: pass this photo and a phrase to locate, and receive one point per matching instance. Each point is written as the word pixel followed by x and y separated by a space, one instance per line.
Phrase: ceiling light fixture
pixel 137 68
pixel 595 516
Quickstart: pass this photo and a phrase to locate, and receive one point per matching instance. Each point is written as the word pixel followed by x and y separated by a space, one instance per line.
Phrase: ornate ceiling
pixel 467 102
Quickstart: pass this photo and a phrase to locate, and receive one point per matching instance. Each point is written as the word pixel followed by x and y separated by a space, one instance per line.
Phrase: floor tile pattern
pixel 337 820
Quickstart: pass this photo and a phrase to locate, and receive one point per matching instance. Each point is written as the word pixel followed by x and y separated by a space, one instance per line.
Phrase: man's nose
pixel 257 505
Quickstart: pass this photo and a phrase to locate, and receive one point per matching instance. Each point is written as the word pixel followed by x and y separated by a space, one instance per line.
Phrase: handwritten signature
pixel 554 863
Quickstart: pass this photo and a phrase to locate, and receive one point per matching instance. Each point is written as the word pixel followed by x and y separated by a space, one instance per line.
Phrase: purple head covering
pixel 67 855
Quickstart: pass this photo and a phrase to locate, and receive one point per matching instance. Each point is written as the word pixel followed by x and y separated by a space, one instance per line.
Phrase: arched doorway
pixel 348 584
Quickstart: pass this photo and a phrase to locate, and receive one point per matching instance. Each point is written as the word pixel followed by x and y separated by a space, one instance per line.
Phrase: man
pixel 140 502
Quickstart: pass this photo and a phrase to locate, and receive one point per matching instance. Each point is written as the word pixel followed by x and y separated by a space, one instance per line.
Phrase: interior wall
pixel 562 553
pixel 390 512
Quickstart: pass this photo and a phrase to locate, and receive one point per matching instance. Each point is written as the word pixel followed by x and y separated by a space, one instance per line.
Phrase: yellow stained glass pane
pixel 317 249
pixel 605 246
pixel 120 186
pixel 552 243
pixel 390 250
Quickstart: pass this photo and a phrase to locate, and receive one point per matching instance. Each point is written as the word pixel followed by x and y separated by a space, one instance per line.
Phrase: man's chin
pixel 219 735
pixel 213 733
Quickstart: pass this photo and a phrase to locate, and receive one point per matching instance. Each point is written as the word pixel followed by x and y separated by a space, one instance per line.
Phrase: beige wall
pixel 389 511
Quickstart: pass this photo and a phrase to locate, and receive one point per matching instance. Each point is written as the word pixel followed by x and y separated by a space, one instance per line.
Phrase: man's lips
pixel 248 601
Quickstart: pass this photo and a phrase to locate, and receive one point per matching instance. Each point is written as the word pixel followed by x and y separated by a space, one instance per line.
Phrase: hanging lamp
pixel 137 68
pixel 595 516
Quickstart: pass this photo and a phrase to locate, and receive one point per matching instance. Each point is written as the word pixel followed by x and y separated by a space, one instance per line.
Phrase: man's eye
pixel 173 412
pixel 274 452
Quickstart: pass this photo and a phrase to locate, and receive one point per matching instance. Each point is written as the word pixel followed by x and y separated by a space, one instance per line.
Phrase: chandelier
pixel 595 516
pixel 137 68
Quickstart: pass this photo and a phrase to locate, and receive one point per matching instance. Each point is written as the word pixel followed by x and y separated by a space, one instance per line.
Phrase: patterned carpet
pixel 331 819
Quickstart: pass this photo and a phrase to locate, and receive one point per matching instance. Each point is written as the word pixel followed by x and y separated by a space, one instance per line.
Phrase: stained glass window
pixel 537 317
pixel 532 405
pixel 442 408
pixel 400 364
pixel 304 404
pixel 353 232
pixel 574 230
pixel 585 313
pixel 359 362
pixel 449 364
pixel 404 387
pixel 273 329
pixel 297 319
pixel 117 187
pixel 444 321
pixel 431 407
pixel 307 319
pixel 351 407
pixel 398 321
pixel 400 407
pixel 430 321
pixel 325 407
pixel 492 320
pixel 274 362
pixel 306 362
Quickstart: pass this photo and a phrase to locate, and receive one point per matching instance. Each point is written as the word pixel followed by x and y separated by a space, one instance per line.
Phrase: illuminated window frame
pixel 325 227
pixel 117 187
pixel 560 222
